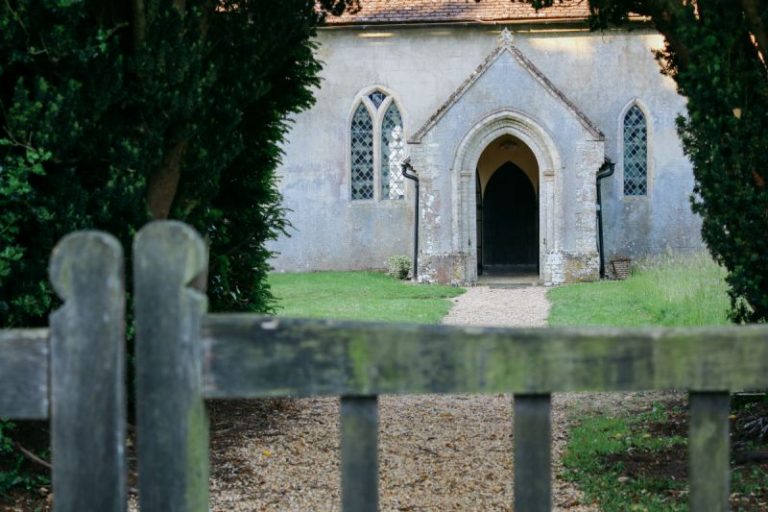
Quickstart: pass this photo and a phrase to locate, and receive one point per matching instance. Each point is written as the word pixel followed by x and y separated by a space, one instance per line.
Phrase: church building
pixel 511 119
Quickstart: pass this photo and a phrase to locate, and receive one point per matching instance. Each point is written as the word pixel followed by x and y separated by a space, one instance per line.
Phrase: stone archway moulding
pixel 484 132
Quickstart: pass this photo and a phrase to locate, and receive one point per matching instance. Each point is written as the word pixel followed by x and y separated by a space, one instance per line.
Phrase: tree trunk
pixel 163 184
pixel 752 14
pixel 139 23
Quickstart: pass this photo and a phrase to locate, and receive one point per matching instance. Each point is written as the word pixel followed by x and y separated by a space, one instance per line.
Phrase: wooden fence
pixel 184 355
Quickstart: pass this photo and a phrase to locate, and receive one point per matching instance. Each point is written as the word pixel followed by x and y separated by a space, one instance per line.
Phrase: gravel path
pixel 521 307
pixel 437 453
pixel 501 307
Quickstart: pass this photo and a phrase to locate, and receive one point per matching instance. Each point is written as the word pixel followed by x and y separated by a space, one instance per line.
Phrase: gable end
pixel 506 45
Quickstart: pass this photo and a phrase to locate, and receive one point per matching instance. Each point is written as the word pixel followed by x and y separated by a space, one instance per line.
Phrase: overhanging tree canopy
pixel 116 112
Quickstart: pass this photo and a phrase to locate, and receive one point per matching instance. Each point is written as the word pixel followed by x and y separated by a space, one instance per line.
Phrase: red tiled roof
pixel 434 11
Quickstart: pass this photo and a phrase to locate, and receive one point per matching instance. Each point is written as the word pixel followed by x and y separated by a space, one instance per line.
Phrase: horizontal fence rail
pixel 253 356
pixel 24 374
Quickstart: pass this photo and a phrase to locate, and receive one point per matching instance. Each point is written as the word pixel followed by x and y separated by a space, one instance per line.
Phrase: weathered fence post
pixel 170 262
pixel 533 448
pixel 709 449
pixel 88 374
pixel 359 454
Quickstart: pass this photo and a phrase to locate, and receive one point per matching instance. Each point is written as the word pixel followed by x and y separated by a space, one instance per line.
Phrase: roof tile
pixel 434 11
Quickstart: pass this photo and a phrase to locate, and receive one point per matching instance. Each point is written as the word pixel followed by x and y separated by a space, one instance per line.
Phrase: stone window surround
pixel 377 116
pixel 649 173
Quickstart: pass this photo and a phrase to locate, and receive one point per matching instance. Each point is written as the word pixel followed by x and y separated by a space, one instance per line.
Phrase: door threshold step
pixel 509 286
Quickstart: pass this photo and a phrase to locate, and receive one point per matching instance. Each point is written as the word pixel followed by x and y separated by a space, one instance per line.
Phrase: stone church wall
pixel 421 67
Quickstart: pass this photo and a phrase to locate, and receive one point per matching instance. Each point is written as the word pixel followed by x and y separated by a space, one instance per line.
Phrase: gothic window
pixel 377 148
pixel 635 153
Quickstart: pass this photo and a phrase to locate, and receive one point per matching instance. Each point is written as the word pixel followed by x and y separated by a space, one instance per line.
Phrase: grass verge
pixel 672 291
pixel 638 461
pixel 360 296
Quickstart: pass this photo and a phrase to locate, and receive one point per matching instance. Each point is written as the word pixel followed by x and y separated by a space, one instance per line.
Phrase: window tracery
pixel 377 98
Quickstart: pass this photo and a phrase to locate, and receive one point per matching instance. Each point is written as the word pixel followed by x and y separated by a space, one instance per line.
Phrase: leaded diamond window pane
pixel 362 154
pixel 377 98
pixel 392 154
pixel 635 153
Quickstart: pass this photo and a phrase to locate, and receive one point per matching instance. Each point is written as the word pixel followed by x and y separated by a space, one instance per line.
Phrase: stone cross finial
pixel 506 39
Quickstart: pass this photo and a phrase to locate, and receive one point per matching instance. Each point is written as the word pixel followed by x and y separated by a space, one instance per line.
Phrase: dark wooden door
pixel 510 220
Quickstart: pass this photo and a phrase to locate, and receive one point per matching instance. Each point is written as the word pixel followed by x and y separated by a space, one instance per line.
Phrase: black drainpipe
pixel 605 171
pixel 406 167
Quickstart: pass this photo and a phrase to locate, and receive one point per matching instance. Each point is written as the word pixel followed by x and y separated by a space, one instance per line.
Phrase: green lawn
pixel 360 296
pixel 636 462
pixel 668 291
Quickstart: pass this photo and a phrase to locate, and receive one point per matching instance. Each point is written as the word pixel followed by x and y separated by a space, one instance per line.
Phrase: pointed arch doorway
pixel 507 182
pixel 539 158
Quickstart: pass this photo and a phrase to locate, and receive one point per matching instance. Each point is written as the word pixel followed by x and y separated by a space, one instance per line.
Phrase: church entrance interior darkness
pixel 507 223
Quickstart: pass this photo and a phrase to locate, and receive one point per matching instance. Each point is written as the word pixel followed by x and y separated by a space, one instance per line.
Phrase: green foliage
pixel 104 107
pixel 99 105
pixel 671 290
pixel 360 296
pixel 13 471
pixel 728 152
pixel 398 266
